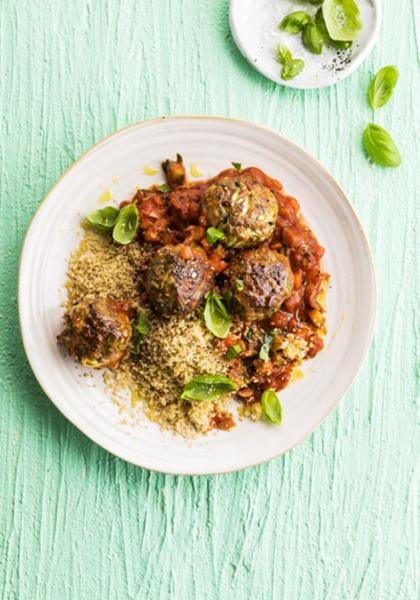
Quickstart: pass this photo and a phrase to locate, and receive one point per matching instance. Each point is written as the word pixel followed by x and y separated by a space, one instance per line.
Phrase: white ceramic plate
pixel 254 26
pixel 212 143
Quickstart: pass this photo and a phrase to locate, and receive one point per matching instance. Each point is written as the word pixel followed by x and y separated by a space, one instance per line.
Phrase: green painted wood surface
pixel 337 517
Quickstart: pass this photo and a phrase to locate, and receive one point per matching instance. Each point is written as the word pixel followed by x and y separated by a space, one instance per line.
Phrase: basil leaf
pixel 283 54
pixel 239 284
pixel 265 348
pixel 140 329
pixel 233 351
pixel 295 21
pixel 382 86
pixel 208 387
pixel 271 406
pixel 216 317
pixel 292 68
pixel 342 18
pixel 214 235
pixel 126 225
pixel 313 38
pixel 164 188
pixel 104 218
pixel 237 166
pixel 142 324
pixel 380 146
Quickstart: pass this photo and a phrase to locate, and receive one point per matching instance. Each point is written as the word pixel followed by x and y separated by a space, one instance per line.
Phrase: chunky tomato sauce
pixel 175 216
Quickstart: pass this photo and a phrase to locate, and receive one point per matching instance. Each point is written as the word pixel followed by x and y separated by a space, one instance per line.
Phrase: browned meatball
pixel 260 281
pixel 245 210
pixel 178 279
pixel 97 333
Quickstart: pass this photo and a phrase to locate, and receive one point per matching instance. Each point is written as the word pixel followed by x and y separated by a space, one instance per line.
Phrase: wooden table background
pixel 336 518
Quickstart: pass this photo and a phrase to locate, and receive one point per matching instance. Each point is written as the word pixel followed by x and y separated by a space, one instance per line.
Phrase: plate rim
pixel 40 376
pixel 292 83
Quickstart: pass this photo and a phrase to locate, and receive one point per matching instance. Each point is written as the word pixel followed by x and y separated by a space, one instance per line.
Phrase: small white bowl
pixel 254 26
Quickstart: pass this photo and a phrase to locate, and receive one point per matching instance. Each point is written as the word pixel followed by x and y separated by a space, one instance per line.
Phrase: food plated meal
pixel 197 297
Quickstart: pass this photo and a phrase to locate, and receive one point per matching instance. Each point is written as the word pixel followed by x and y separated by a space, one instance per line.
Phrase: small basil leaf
pixel 292 68
pixel 237 166
pixel 233 351
pixel 295 21
pixel 313 38
pixel 380 146
pixel 216 317
pixel 125 228
pixel 140 328
pixel 382 86
pixel 283 54
pixel 164 188
pixel 142 324
pixel 208 387
pixel 271 406
pixel 105 218
pixel 265 348
pixel 239 284
pixel 214 235
pixel 342 18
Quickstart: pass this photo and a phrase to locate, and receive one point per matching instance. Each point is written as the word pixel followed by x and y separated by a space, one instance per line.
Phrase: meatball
pixel 178 279
pixel 245 210
pixel 97 333
pixel 260 281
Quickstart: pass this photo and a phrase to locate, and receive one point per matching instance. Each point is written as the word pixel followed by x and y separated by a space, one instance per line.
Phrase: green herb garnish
pixel 216 317
pixel 239 284
pixel 164 188
pixel 125 228
pixel 265 348
pixel 233 351
pixel 208 387
pixel 271 406
pixel 140 329
pixel 380 146
pixel 295 21
pixel 313 38
pixel 382 86
pixel 237 166
pixel 342 18
pixel 104 219
pixel 291 66
pixel 214 235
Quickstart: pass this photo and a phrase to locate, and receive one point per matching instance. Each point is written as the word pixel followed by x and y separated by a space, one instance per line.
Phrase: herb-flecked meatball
pixel 178 279
pixel 260 281
pixel 97 333
pixel 245 210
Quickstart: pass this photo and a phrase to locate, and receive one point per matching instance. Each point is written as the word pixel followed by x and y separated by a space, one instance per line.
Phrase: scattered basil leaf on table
pixel 104 218
pixel 292 68
pixel 208 387
pixel 264 353
pixel 313 38
pixel 214 235
pixel 382 86
pixel 237 166
pixel 271 406
pixel 342 18
pixel 164 188
pixel 295 21
pixel 125 228
pixel 216 317
pixel 380 146
pixel 233 351
pixel 141 328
